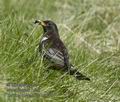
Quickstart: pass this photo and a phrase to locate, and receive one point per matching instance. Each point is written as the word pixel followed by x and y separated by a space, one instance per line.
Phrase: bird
pixel 53 49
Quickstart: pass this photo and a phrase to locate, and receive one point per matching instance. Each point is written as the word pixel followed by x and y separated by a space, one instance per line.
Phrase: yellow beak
pixel 40 22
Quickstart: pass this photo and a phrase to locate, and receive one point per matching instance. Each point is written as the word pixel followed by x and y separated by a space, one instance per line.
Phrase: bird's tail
pixel 77 74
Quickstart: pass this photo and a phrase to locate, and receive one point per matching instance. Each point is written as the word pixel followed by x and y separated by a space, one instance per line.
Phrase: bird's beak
pixel 40 22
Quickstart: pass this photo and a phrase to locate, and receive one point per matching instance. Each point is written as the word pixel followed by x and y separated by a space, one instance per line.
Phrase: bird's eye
pixel 49 24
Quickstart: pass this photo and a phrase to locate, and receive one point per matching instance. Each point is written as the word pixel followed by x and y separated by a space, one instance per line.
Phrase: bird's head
pixel 48 26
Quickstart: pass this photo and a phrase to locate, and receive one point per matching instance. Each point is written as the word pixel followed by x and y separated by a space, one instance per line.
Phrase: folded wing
pixel 55 56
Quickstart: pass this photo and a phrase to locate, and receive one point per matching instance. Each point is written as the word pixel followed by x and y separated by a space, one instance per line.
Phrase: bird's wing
pixel 55 56
pixel 66 59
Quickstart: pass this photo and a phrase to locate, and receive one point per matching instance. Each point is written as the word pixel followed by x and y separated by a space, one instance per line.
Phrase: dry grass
pixel 91 32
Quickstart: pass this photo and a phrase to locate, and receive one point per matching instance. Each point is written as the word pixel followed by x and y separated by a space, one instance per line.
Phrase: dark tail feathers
pixel 77 74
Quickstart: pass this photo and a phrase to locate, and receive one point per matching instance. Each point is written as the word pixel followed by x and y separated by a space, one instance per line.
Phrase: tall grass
pixel 90 30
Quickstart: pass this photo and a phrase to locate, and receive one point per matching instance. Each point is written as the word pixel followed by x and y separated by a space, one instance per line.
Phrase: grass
pixel 90 30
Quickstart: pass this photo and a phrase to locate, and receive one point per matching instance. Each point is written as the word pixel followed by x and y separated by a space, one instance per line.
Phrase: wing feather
pixel 55 55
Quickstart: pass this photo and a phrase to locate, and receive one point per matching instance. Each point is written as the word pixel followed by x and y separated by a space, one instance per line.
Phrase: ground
pixel 90 30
